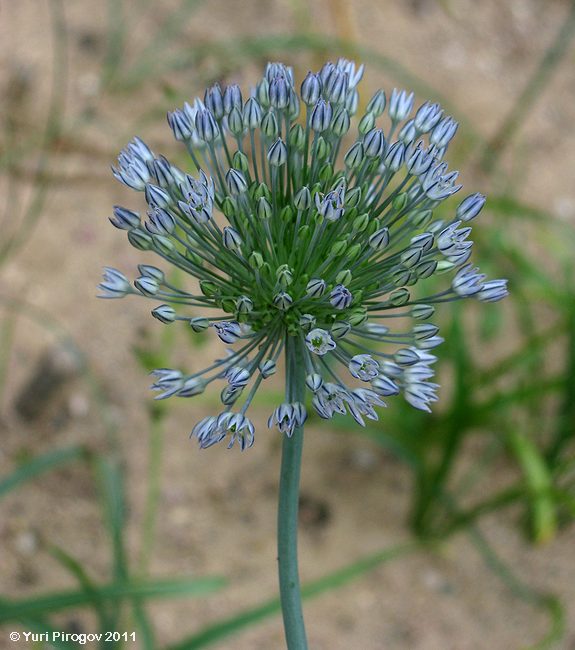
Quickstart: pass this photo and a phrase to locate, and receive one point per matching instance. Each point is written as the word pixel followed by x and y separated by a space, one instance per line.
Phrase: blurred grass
pixel 485 401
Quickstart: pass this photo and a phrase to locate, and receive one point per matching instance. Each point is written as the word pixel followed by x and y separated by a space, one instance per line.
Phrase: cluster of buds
pixel 289 234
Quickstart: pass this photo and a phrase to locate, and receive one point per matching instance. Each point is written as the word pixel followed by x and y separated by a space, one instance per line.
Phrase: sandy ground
pixel 217 509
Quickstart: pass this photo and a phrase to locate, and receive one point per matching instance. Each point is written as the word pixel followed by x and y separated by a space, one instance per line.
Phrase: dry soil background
pixel 217 509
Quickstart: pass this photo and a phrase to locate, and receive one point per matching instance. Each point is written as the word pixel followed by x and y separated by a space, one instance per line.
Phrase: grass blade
pixel 41 464
pixel 248 617
pixel 539 484
pixel 112 593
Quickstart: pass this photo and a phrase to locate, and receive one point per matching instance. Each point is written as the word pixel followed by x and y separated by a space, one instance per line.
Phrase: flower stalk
pixel 288 506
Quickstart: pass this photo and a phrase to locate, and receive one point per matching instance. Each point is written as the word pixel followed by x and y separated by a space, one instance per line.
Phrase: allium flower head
pixel 303 222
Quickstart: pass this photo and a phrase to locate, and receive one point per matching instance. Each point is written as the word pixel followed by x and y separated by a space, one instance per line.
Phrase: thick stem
pixel 288 506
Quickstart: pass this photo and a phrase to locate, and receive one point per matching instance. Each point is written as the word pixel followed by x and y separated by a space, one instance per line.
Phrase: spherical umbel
pixel 315 233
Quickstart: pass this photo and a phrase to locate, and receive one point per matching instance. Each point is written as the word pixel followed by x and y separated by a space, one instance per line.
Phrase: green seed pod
pixel 208 288
pixel 339 329
pixel 366 123
pixel 354 251
pixel 399 297
pixel 344 277
pixel 361 222
pixel 262 191
pixel 322 148
pixel 255 260
pixel 199 323
pixel 240 162
pixel 264 208
pixel 297 137
pixel 229 207
pixel 353 197
pixel 326 172
pixel 229 305
pixel 357 317
pixel 338 248
pixel 163 244
pixel 400 201
pixel 420 218
pixel 140 240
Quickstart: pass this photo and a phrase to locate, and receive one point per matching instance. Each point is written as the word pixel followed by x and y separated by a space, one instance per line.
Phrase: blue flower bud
pixel 406 357
pixel 151 272
pixel 307 321
pixel 427 116
pixel 267 368
pixel 192 386
pixel 279 92
pixel 310 89
pixel 314 382
pixel 422 312
pixel 470 207
pixel 162 172
pixel 181 125
pixel 355 156
pixel 244 305
pixel 394 157
pixel 374 143
pixel 384 386
pixel 321 116
pixel 206 125
pixel 146 286
pixel 400 105
pixel 379 240
pixel 164 313
pixel 199 323
pixel 443 132
pixel 492 291
pixel 228 331
pixel 376 104
pixel 336 86
pixel 237 376
pixel 160 222
pixel 157 197
pixel 232 98
pixel 277 154
pixel 214 101
pixel 425 331
pixel 283 301
pixel 252 114
pixel 114 284
pixel 468 281
pixel 236 182
pixel 124 219
pixel 231 239
pixel 407 133
pixel 340 297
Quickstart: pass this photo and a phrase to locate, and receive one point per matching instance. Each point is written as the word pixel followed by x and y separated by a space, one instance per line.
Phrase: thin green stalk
pixel 290 595
pixel 532 91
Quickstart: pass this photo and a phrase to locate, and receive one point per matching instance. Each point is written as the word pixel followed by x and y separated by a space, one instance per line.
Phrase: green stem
pixel 290 595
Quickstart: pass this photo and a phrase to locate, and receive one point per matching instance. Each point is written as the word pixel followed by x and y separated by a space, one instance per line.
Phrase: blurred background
pixel 450 531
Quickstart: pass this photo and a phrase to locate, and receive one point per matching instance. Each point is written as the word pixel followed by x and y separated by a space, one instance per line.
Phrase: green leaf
pixel 41 464
pixel 13 610
pixel 539 486
pixel 233 624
